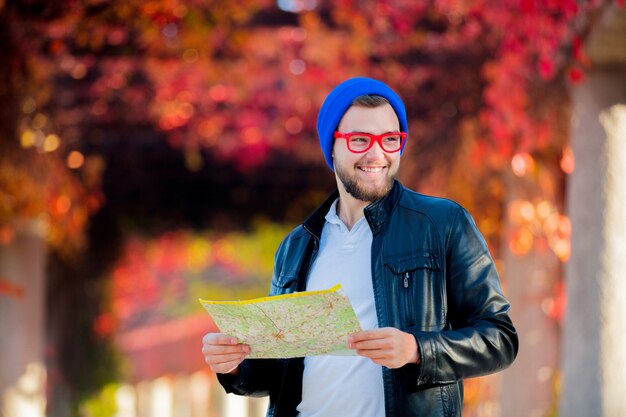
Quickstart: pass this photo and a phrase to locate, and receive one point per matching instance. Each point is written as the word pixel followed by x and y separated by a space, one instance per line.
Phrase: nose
pixel 376 151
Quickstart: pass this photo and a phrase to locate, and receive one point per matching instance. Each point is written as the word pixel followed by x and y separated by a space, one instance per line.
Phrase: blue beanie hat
pixel 340 99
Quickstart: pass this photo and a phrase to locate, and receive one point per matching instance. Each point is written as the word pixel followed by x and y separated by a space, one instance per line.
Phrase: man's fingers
pixel 210 349
pixel 222 359
pixel 223 353
pixel 371 339
pixel 368 335
pixel 373 344
pixel 218 343
pixel 225 367
pixel 219 339
pixel 374 354
pixel 375 349
pixel 386 346
pixel 214 350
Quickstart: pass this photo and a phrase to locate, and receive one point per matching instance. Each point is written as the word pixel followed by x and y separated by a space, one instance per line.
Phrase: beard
pixel 359 190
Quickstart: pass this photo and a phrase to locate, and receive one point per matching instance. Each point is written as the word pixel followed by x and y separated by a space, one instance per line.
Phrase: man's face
pixel 366 176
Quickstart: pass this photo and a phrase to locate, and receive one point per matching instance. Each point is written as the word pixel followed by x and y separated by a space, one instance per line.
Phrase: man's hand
pixel 387 346
pixel 223 353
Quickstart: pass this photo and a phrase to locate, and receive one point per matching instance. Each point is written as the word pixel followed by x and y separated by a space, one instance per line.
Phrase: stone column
pixel 22 289
pixel 594 336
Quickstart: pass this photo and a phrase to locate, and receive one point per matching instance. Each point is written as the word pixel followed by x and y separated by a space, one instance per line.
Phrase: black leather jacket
pixel 433 277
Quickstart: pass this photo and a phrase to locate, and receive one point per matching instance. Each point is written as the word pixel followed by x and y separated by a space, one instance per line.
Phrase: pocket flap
pixel 424 260
pixel 285 279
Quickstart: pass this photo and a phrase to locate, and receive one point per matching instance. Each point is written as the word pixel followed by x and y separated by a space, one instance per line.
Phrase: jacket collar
pixel 376 213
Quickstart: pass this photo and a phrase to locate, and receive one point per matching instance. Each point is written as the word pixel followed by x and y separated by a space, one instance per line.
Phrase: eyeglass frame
pixel 373 139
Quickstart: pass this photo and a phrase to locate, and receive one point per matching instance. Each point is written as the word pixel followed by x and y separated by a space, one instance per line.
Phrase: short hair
pixel 370 100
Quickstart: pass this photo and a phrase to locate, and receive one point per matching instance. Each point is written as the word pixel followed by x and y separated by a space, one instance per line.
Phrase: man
pixel 415 268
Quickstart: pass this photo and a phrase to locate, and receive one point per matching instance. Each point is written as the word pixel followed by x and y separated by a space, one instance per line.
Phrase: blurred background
pixel 156 151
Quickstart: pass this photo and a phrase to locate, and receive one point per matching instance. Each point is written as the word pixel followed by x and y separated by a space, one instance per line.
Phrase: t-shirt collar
pixel 333 218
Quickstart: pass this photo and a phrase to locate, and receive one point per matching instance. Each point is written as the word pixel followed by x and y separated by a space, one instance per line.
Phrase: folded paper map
pixel 291 325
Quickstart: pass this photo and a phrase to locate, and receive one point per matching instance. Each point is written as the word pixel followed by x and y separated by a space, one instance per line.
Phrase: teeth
pixel 372 169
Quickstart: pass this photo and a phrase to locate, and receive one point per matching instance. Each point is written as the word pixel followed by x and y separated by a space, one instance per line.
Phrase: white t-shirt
pixel 347 386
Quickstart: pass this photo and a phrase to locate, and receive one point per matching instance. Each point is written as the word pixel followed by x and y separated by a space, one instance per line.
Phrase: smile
pixel 371 169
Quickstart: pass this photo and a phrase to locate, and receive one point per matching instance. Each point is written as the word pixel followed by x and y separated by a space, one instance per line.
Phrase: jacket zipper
pixel 406 297
pixel 301 286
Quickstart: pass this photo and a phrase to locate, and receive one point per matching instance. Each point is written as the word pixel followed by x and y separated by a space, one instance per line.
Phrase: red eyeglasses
pixel 362 142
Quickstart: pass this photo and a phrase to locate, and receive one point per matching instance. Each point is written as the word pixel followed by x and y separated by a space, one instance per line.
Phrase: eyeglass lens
pixel 389 143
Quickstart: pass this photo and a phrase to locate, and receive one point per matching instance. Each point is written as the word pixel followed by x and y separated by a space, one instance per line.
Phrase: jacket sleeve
pixel 256 378
pixel 260 377
pixel 480 337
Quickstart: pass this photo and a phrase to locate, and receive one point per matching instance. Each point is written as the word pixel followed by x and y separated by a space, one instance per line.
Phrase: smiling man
pixel 415 268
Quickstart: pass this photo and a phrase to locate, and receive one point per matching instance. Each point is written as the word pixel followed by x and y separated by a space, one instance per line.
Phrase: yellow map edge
pixel 334 288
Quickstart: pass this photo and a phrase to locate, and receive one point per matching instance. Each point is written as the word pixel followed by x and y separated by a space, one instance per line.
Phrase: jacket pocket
pixel 416 290
pixel 421 260
pixel 284 283
pixel 451 400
